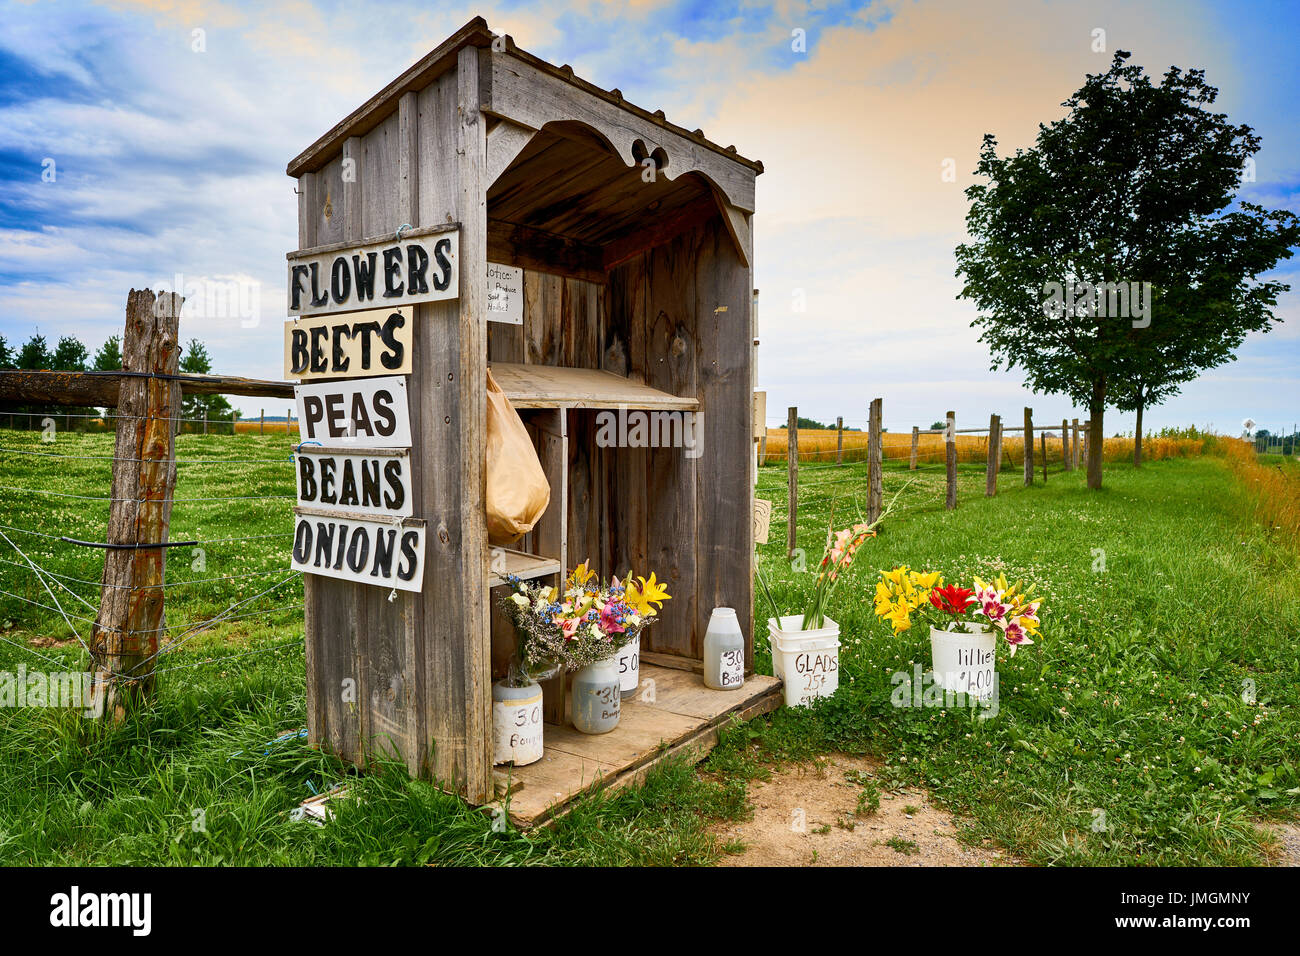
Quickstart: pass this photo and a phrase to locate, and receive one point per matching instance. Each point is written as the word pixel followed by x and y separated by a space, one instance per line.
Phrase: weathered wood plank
pixel 102 389
pixel 671 338
pixel 524 91
pixel 724 531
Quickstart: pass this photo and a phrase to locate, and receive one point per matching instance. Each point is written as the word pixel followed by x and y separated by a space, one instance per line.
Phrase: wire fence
pixel 224 574
pixel 47 420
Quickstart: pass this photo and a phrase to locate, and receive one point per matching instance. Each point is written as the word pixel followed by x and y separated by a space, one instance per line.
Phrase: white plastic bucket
pixel 516 724
pixel 964 663
pixel 807 662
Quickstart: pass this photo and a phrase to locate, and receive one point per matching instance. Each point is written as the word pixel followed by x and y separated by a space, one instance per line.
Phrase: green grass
pixel 1131 705
pixel 1123 737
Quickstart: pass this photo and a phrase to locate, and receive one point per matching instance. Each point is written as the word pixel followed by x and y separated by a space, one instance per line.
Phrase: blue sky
pixel 169 125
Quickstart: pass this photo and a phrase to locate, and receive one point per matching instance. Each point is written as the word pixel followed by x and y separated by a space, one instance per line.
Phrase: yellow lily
pixel 644 594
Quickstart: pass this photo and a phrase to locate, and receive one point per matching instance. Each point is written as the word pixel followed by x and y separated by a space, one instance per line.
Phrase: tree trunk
pixel 1137 435
pixel 1096 407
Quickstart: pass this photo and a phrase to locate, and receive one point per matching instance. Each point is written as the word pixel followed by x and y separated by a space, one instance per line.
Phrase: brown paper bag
pixel 517 489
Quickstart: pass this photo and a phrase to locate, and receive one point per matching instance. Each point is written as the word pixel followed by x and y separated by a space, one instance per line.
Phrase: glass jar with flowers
pixel 595 621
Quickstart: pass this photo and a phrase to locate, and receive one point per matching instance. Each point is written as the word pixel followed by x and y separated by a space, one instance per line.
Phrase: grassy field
pixel 1123 737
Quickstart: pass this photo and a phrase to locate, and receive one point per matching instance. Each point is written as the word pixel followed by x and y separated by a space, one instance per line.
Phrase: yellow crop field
pixel 818 445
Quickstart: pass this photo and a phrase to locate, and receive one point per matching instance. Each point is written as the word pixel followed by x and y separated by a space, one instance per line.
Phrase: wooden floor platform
pixel 680 717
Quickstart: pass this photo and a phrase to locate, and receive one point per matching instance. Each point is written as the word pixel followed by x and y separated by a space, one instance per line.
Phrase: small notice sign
pixel 762 520
pixel 355 481
pixel 366 413
pixel 384 553
pixel 388 273
pixel 353 346
pixel 505 294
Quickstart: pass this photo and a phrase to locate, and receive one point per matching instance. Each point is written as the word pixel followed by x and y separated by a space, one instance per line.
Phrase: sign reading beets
pixel 380 274
pixel 363 413
pixel 387 554
pixel 351 346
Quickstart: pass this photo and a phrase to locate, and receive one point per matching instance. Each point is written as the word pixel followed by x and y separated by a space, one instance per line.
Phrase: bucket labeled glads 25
pixel 807 662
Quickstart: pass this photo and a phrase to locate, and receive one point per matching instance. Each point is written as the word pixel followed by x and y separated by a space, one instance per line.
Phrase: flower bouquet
pixel 964 623
pixel 581 627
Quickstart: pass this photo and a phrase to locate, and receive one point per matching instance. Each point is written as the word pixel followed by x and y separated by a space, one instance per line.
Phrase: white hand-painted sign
pixel 365 413
pixel 375 482
pixel 387 554
pixel 382 273
pixel 505 294
pixel 350 346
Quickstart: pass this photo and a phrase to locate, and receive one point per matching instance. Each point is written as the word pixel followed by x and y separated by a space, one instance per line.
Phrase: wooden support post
pixel 875 458
pixel 1065 445
pixel 205 419
pixel 839 440
pixel 792 463
pixel 762 448
pixel 261 422
pixel 1029 447
pixel 950 459
pixel 1043 438
pixel 991 471
pixel 124 639
pixel 1074 446
pixel 916 432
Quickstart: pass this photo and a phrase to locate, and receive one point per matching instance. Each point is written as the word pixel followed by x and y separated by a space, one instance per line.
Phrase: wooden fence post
pixel 1043 438
pixel 288 420
pixel 839 440
pixel 915 437
pixel 991 471
pixel 1029 447
pixel 1074 446
pixel 792 469
pixel 950 459
pixel 124 639
pixel 1065 445
pixel 261 422
pixel 876 460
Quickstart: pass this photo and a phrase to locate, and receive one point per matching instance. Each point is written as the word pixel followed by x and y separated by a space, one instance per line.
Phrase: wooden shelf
pixel 556 386
pixel 682 719
pixel 524 566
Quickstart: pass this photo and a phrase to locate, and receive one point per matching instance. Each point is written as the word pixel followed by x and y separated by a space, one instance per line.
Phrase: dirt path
pixel 1288 835
pixel 820 814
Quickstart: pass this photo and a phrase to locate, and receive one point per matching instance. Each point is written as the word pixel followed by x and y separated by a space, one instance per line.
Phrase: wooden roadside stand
pixel 619 247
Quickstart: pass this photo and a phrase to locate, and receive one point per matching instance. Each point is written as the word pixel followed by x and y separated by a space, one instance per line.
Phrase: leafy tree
pixel 6 354
pixel 1123 199
pixel 70 355
pixel 109 356
pixel 35 353
pixel 939 425
pixel 197 361
pixel 809 423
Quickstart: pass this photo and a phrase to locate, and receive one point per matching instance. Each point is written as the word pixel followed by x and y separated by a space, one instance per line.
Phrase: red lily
pixel 952 599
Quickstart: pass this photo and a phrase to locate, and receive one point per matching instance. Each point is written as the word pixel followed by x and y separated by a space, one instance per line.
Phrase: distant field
pixel 818 445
